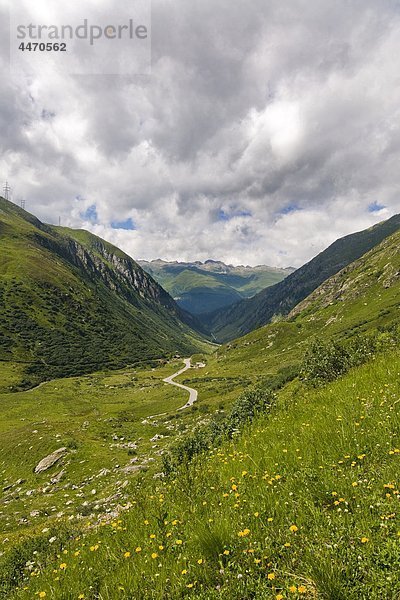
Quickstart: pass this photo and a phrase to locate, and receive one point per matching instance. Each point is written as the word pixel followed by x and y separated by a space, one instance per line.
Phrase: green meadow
pixel 302 504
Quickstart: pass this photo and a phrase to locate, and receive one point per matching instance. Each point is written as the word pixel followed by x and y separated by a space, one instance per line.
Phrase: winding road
pixel 192 392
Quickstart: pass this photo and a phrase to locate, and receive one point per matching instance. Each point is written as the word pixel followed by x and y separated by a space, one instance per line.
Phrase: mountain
pixel 363 297
pixel 280 299
pixel 204 287
pixel 290 485
pixel 71 302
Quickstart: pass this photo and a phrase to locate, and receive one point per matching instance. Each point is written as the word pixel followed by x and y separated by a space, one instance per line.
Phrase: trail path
pixel 192 392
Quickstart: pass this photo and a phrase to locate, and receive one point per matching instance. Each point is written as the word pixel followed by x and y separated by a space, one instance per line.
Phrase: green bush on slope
pixel 326 360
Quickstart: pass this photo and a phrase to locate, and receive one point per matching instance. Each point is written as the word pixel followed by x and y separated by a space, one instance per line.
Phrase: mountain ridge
pixel 72 302
pixel 199 287
pixel 280 299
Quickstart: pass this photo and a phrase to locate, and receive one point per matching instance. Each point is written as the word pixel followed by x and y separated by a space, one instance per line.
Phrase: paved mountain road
pixel 192 392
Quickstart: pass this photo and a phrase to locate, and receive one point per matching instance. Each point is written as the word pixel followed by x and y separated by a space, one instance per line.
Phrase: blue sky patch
pixel 289 208
pixel 128 225
pixel 90 214
pixel 375 207
pixel 225 216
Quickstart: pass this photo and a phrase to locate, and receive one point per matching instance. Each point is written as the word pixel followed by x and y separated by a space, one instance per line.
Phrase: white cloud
pixel 265 131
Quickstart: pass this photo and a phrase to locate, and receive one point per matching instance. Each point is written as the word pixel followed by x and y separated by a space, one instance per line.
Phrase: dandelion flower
pixel 63 566
pixel 178 542
pixel 364 540
pixel 271 576
pixel 293 589
pixel 42 594
pixel 200 561
pixel 293 528
pixel 138 549
pixel 127 555
pixel 302 589
pixel 244 532
pixel 154 555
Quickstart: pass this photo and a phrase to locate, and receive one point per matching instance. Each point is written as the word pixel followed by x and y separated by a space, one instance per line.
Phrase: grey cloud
pixel 250 107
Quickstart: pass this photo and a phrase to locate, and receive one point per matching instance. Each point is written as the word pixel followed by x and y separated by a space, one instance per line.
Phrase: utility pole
pixel 7 191
pixel 23 203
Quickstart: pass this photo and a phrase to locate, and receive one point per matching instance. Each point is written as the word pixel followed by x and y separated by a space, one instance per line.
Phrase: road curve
pixel 192 392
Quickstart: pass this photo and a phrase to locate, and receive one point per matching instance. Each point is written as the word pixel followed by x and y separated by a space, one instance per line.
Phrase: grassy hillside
pixel 204 287
pixel 363 297
pixel 72 303
pixel 301 505
pixel 281 298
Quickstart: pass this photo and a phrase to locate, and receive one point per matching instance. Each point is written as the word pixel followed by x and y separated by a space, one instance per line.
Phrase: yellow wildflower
pixel 302 589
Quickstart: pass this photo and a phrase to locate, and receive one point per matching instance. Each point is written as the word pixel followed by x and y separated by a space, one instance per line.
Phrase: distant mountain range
pixel 71 302
pixel 278 300
pixel 203 287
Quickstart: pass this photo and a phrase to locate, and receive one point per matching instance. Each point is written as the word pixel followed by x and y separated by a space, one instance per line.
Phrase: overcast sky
pixel 266 130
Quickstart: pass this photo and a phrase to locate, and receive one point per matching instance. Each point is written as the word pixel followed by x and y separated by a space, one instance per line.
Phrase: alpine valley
pixel 204 287
pixel 277 478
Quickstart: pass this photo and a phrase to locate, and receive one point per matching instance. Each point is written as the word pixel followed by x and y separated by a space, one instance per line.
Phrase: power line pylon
pixel 7 191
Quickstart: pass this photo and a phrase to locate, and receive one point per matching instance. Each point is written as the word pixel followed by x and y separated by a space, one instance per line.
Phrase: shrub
pixel 204 437
pixel 326 361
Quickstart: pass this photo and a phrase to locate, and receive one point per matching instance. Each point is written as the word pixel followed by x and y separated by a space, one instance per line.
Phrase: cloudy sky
pixel 265 130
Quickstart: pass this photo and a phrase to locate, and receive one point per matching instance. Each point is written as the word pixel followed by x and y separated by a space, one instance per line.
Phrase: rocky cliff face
pixel 100 261
pixel 120 274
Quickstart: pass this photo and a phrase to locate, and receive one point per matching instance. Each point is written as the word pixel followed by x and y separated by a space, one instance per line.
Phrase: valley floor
pixel 302 504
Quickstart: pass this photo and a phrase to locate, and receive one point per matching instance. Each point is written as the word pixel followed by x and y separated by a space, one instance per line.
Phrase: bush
pixel 326 361
pixel 247 406
pixel 203 438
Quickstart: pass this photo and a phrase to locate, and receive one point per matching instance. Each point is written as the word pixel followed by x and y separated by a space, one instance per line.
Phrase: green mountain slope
pixel 70 302
pixel 299 502
pixel 362 298
pixel 281 298
pixel 204 287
